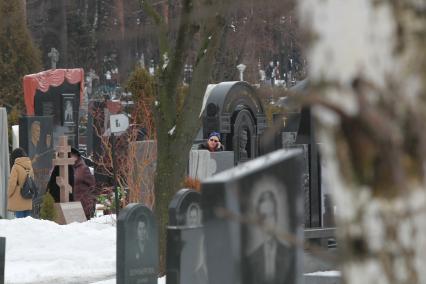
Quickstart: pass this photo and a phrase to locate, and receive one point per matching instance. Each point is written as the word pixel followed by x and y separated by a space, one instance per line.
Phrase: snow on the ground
pixel 40 251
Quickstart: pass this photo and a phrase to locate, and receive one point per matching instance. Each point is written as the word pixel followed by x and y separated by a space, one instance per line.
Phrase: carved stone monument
pixel 235 110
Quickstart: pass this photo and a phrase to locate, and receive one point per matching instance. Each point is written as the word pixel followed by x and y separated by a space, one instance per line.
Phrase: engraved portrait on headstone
pixel 193 215
pixel 137 245
pixel 267 258
pixel 141 237
pixel 68 109
pixel 243 139
pixel 35 139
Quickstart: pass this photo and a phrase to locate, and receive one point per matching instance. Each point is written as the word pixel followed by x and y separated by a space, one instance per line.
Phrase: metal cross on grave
pixel 54 57
pixel 63 161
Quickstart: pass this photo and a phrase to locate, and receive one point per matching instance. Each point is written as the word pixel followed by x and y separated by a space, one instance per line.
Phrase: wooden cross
pixel 63 161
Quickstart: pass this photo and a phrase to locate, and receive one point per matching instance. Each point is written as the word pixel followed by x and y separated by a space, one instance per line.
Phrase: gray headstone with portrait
pixel 249 212
pixel 137 245
pixel 186 261
pixel 2 258
pixel 203 164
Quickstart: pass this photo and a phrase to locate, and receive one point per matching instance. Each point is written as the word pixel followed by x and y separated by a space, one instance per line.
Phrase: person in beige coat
pixel 21 165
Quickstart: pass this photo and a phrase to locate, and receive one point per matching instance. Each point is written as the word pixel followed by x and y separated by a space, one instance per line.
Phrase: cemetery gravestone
pixel 137 246
pixel 2 258
pixel 67 212
pixel 235 110
pixel 184 209
pixel 36 138
pixel 56 93
pixel 203 164
pixel 186 261
pixel 265 191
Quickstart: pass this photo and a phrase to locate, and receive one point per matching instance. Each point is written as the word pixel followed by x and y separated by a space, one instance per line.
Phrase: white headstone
pixel 204 164
pixel 4 162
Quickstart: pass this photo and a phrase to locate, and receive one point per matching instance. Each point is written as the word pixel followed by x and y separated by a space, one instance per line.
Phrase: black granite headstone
pixel 186 261
pixel 36 138
pixel 265 191
pixel 184 209
pixel 235 110
pixel 2 258
pixel 62 102
pixel 137 246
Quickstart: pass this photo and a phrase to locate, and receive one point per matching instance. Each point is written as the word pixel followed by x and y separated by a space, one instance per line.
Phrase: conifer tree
pixel 47 211
pixel 18 57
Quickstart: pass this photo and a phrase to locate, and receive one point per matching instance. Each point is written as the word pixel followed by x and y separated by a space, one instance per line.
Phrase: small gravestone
pixel 137 245
pixel 2 258
pixel 69 212
pixel 186 261
pixel 248 213
pixel 203 164
pixel 184 209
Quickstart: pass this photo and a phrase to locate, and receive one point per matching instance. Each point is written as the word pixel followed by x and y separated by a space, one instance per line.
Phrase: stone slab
pixel 69 212
pixel 203 164
pixel 137 246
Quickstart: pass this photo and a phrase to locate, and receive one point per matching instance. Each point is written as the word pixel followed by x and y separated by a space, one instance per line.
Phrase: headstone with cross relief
pixel 67 212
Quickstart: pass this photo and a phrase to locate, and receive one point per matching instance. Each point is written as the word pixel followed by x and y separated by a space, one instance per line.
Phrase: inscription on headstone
pixel 137 246
pixel 266 193
pixel 69 212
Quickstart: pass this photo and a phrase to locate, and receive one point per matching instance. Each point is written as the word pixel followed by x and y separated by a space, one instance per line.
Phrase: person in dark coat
pixel 52 186
pixel 213 143
pixel 84 184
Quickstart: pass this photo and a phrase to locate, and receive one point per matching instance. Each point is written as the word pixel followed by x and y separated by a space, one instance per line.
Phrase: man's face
pixel 141 231
pixel 35 131
pixel 193 217
pixel 267 212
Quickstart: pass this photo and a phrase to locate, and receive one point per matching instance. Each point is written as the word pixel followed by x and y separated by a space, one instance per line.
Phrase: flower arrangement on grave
pixel 107 199
pixel 192 183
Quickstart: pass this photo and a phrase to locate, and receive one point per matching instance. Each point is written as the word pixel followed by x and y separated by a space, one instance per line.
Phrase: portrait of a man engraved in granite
pixel 267 258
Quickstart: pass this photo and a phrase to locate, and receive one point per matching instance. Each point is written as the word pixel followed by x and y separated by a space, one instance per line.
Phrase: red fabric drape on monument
pixel 43 80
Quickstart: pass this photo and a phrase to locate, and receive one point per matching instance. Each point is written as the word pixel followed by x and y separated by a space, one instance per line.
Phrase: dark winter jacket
pixel 53 187
pixel 84 187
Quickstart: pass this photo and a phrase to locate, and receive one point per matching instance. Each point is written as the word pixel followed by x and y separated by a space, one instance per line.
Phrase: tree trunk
pixel 367 77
